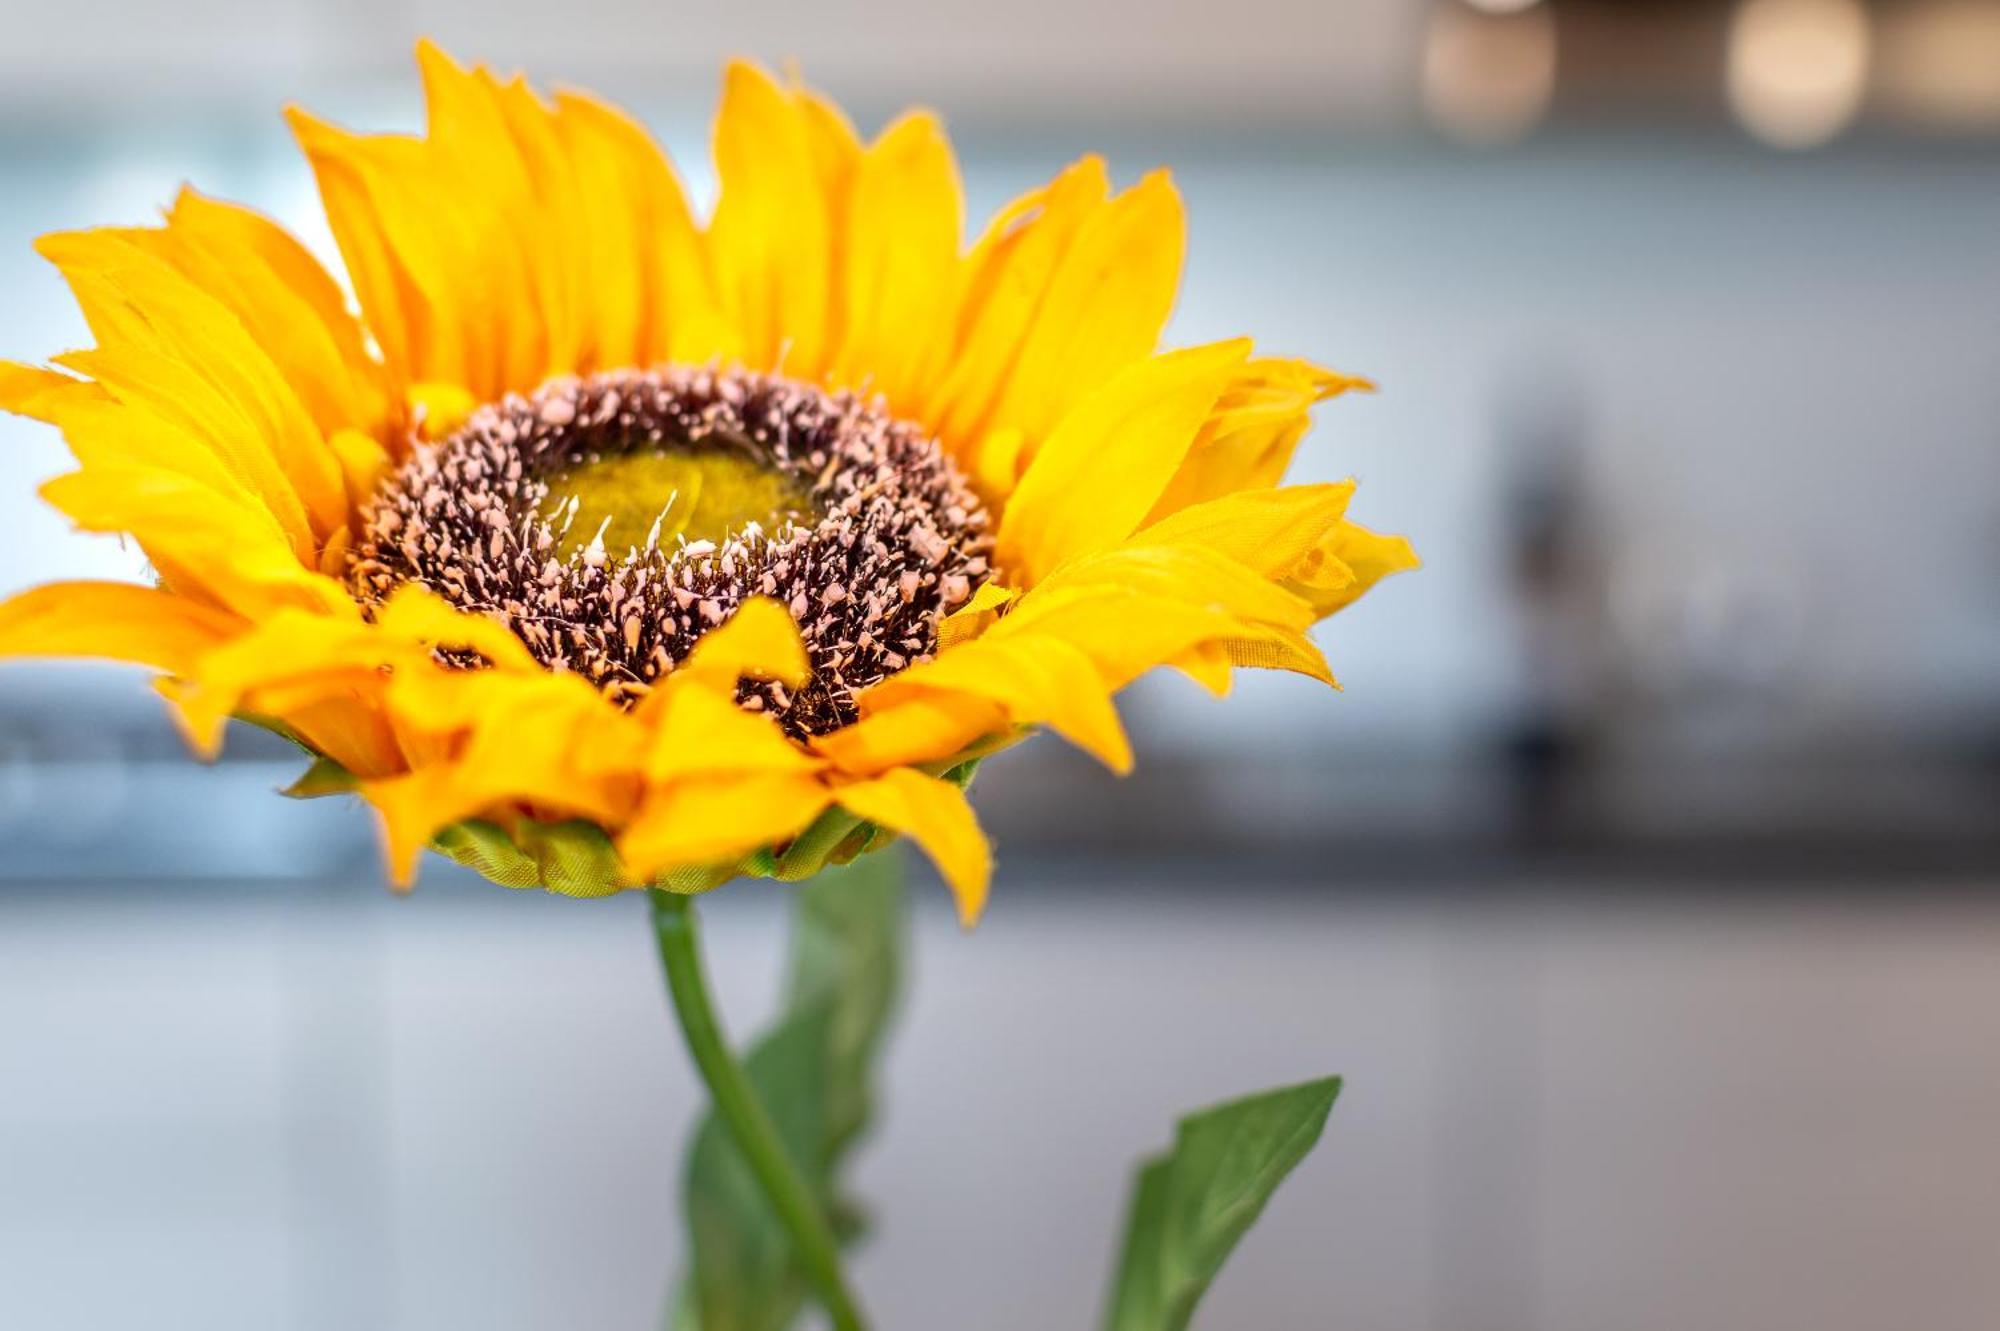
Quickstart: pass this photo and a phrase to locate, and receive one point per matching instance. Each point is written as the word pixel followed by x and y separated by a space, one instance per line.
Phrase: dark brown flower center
pixel 611 521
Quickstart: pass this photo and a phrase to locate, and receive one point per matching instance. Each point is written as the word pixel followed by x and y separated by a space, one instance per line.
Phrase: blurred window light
pixel 1939 66
pixel 1489 70
pixel 1798 69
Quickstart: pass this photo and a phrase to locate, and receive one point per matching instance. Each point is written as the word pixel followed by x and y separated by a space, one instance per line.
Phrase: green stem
pixel 750 1125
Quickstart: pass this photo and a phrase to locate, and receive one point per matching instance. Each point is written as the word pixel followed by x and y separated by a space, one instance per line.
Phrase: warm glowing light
pixel 1798 68
pixel 1940 64
pixel 1489 71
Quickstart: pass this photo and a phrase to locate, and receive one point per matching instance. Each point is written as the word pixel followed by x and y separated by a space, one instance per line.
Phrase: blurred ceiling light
pixel 1489 71
pixel 1940 64
pixel 1798 68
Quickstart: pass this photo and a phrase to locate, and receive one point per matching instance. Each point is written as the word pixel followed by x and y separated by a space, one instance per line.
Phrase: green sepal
pixel 1191 1205
pixel 321 778
pixel 325 777
pixel 575 858
pixel 813 1069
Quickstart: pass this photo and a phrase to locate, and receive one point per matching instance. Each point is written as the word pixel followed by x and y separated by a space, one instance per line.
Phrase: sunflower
pixel 598 546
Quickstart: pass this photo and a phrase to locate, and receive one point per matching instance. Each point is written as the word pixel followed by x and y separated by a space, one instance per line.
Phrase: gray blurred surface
pixel 317 1107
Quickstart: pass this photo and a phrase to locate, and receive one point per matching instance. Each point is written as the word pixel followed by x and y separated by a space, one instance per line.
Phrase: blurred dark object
pixel 1557 573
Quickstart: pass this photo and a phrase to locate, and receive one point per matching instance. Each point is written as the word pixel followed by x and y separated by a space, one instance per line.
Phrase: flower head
pixel 602 546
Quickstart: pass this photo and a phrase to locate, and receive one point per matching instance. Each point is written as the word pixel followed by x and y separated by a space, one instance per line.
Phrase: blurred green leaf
pixel 814 1071
pixel 1191 1205
pixel 847 952
pixel 744 1276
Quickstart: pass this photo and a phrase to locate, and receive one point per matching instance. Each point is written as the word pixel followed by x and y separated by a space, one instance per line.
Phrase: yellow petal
pixel 347 726
pixel 1035 679
pixel 1103 468
pixel 900 263
pixel 309 656
pixel 418 805
pixel 170 347
pixel 413 808
pixel 918 727
pixel 115 620
pixel 438 408
pixel 760 640
pixel 1369 555
pixel 165 414
pixel 975 616
pixel 559 232
pixel 700 823
pixel 1190 573
pixel 1273 531
pixel 1207 664
pixel 158 417
pixel 363 464
pixel 424 618
pixel 357 180
pixel 103 432
pixel 830 138
pixel 936 815
pixel 1267 648
pixel 613 247
pixel 647 268
pixel 453 243
pixel 548 741
pixel 1260 623
pixel 1104 307
pixel 513 266
pixel 29 390
pixel 1060 651
pixel 289 304
pixel 1006 279
pixel 994 463
pixel 203 543
pixel 1124 632
pixel 537 748
pixel 533 743
pixel 1248 440
pixel 772 238
pixel 1296 535
pixel 701 734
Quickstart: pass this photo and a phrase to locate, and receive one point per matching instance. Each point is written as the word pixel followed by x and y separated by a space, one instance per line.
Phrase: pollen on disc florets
pixel 894 538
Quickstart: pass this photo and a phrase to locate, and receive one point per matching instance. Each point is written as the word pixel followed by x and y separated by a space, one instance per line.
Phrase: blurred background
pixel 1641 883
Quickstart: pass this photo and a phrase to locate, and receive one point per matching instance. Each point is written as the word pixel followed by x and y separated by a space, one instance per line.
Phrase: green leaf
pixel 814 1071
pixel 1191 1205
pixel 847 952
pixel 744 1275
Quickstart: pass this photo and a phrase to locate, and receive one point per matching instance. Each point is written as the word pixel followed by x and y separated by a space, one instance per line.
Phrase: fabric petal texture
pixel 511 282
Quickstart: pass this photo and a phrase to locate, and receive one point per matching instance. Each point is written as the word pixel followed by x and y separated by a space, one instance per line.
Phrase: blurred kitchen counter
pixel 311 1105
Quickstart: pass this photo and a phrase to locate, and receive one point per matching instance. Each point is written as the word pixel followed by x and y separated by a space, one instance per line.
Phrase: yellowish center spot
pixel 705 493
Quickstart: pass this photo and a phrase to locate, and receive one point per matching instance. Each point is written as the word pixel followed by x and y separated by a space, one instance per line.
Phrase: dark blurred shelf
pixel 1178 824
